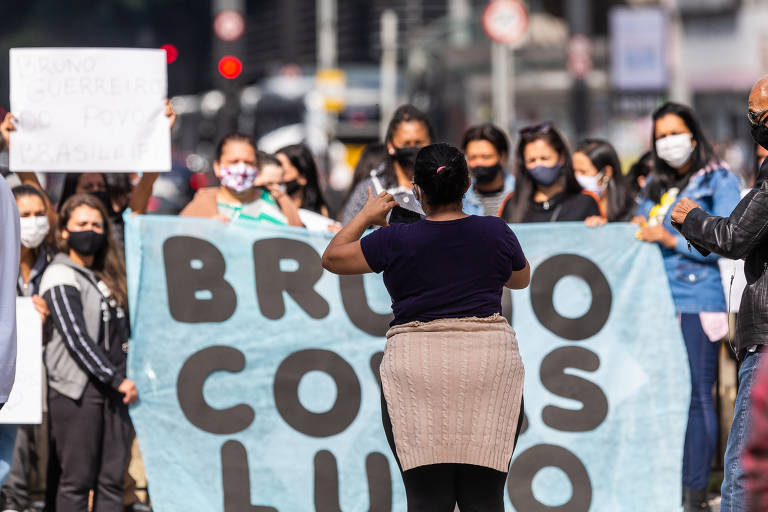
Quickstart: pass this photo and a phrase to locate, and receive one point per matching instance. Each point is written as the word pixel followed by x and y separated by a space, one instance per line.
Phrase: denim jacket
pixel 694 280
pixel 471 204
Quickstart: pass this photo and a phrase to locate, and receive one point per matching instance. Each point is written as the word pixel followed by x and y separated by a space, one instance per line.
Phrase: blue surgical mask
pixel 546 176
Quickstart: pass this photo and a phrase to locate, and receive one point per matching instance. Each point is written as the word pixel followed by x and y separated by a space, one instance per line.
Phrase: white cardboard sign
pixel 25 403
pixel 89 109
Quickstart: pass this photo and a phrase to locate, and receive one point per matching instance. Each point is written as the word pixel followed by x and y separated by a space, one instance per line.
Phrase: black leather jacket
pixel 743 235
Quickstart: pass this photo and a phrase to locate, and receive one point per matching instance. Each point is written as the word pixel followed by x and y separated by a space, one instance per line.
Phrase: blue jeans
pixel 733 491
pixel 701 434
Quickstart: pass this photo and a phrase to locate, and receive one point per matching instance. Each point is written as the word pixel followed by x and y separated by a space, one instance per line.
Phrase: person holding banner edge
pixel 445 274
pixel 243 192
pixel 686 165
pixel 742 234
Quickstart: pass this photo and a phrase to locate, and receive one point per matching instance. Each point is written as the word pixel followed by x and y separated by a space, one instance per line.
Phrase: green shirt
pixel 263 209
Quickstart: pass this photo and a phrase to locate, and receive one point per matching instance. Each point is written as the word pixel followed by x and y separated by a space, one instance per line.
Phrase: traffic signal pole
pixel 579 14
pixel 387 69
pixel 226 41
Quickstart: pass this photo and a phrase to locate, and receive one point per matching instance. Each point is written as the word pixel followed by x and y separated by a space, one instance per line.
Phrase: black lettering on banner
pixel 271 281
pixel 530 462
pixel 193 265
pixel 189 390
pixel 357 308
pixel 554 378
pixel 327 483
pixel 236 480
pixel 286 389
pixel 543 282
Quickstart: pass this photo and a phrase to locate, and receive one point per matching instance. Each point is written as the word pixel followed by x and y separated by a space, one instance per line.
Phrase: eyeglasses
pixel 755 118
pixel 538 128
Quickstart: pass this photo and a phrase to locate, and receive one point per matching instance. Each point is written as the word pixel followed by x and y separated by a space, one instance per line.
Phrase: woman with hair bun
pixel 445 275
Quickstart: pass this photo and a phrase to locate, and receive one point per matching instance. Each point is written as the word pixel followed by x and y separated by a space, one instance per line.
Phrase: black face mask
pixel 291 187
pixel 85 242
pixel 485 173
pixel 406 156
pixel 760 134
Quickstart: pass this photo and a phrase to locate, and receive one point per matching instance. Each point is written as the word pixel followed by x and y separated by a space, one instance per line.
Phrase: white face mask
pixel 33 230
pixel 594 184
pixel 676 150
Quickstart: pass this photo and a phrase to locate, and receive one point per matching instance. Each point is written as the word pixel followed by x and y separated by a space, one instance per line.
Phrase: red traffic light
pixel 230 67
pixel 171 53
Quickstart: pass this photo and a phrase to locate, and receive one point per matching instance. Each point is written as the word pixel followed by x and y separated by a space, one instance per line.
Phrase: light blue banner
pixel 258 390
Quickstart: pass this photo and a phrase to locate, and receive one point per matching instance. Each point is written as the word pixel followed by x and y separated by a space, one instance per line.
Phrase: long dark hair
pixel 619 197
pixel 642 168
pixel 301 158
pixel 403 114
pixel 25 190
pixel 108 264
pixel 525 187
pixel 69 188
pixel 373 155
pixel 441 172
pixel 487 132
pixel 233 137
pixel 666 177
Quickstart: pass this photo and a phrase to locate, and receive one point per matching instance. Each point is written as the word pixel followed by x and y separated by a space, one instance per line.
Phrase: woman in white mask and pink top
pixel 598 170
pixel 248 189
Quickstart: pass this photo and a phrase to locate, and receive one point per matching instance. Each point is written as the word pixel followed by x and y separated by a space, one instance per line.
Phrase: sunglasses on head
pixel 538 128
pixel 755 118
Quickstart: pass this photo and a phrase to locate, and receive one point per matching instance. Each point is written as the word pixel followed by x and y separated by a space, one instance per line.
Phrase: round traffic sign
pixel 505 21
pixel 229 25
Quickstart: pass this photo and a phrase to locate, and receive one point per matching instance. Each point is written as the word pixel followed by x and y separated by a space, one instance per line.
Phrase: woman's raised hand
pixel 6 127
pixel 170 114
pixel 376 209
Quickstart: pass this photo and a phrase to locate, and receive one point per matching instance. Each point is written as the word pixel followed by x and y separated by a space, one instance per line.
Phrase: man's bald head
pixel 758 96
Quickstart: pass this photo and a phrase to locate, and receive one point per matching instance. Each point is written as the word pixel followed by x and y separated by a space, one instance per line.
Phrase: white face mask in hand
pixel 676 150
pixel 33 230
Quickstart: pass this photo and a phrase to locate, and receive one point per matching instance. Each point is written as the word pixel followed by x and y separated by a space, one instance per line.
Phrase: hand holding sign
pixel 89 110
pixel 6 127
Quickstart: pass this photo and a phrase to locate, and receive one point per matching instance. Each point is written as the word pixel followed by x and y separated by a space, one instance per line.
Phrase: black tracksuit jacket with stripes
pixel 103 358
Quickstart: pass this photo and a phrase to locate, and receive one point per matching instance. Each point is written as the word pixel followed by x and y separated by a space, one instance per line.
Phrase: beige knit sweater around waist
pixel 453 389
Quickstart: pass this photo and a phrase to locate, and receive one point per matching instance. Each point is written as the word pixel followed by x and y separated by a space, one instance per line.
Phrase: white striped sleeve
pixel 67 315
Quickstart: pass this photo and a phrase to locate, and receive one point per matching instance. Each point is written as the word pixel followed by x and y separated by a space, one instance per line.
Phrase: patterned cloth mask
pixel 239 177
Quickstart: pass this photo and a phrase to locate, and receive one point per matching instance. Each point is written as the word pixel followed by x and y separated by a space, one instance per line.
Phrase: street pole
pixel 580 20
pixel 227 118
pixel 326 34
pixel 500 86
pixel 459 15
pixel 678 86
pixel 388 69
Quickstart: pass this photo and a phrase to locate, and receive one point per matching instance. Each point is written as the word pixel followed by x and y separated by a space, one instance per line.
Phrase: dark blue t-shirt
pixel 444 269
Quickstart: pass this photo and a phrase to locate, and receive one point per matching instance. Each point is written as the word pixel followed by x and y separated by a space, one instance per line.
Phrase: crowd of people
pixel 72 266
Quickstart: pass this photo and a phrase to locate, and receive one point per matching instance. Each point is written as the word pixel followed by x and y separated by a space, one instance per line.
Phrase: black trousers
pixel 439 487
pixel 92 440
